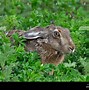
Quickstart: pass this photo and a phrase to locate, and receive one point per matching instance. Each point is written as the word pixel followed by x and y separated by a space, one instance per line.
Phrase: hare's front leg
pixel 57 61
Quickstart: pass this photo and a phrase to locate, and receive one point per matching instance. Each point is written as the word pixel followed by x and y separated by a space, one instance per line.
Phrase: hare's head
pixel 57 37
pixel 61 40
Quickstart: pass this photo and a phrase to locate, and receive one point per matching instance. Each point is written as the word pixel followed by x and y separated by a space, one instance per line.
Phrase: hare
pixel 51 42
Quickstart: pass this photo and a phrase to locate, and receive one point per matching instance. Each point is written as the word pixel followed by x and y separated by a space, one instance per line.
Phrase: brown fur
pixel 51 48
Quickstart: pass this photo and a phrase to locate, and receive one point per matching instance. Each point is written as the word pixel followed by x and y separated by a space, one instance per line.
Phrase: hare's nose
pixel 72 48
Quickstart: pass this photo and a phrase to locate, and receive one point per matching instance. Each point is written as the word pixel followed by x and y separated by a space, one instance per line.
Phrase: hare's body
pixel 46 52
pixel 51 43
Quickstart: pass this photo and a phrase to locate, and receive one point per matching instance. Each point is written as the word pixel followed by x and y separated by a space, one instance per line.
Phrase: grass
pixel 18 65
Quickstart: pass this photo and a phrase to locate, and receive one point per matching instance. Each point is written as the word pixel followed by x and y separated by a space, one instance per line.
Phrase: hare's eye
pixel 56 34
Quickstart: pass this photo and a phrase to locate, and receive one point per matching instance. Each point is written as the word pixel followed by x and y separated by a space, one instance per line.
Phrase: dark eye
pixel 56 34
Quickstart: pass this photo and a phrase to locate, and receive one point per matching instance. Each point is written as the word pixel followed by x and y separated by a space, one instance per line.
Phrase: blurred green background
pixel 18 65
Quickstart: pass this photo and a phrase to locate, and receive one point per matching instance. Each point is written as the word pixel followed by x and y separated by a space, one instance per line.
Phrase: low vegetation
pixel 18 65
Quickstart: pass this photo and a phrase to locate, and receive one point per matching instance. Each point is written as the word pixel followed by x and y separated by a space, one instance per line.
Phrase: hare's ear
pixel 34 33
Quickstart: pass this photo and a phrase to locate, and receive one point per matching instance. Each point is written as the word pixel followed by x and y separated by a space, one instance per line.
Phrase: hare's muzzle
pixel 72 48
